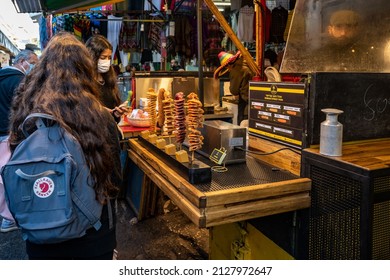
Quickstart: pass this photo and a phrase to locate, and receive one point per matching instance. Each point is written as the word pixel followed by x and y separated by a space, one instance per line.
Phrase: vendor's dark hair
pixel 96 44
pixel 61 84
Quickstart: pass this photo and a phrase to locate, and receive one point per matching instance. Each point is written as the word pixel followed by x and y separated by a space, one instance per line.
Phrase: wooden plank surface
pixel 194 213
pixel 224 214
pixel 285 159
pixel 370 155
pixel 276 189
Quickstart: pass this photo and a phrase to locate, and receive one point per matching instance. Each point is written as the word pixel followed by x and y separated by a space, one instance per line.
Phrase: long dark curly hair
pixel 62 84
pixel 96 44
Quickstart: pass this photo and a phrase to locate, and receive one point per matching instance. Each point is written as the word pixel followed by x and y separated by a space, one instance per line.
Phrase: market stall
pixel 284 199
pixel 348 197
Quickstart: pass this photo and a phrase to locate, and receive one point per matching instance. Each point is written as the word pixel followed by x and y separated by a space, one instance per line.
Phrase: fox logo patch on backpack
pixel 48 185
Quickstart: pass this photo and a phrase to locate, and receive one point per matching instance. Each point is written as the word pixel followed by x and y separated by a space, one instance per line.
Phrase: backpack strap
pixel 39 123
pixel 90 216
pixel 110 216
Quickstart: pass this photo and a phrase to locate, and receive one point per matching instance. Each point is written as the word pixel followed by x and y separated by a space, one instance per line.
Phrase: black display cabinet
pixel 349 217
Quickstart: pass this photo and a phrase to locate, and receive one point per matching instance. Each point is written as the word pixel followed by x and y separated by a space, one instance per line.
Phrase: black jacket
pixel 10 78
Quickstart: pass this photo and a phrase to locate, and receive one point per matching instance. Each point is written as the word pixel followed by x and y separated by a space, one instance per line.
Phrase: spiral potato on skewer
pixel 151 109
pixel 161 114
pixel 168 108
pixel 180 118
pixel 194 120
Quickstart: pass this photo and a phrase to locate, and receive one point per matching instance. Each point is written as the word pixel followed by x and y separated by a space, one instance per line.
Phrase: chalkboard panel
pixel 364 98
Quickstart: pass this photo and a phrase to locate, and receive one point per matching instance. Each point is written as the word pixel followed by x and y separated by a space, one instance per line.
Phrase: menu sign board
pixel 276 111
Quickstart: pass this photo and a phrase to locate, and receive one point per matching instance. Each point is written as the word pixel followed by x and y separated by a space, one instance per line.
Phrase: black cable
pixel 266 154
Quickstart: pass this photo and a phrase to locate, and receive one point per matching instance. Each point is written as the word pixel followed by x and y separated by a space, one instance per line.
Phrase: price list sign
pixel 276 111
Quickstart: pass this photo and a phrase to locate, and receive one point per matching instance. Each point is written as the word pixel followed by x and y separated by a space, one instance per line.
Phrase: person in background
pixel 239 76
pixel 174 65
pixel 62 85
pixel 10 78
pixel 344 26
pixel 101 51
pixel 346 46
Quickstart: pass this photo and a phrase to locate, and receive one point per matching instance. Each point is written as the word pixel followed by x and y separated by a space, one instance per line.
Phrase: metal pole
pixel 259 36
pixel 200 50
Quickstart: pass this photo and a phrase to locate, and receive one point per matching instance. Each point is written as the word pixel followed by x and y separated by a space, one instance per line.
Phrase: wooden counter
pixel 213 204
pixel 368 155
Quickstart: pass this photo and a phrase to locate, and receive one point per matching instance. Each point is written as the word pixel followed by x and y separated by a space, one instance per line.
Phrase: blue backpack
pixel 48 185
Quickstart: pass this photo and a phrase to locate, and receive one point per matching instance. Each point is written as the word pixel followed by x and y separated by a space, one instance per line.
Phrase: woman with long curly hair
pixel 101 51
pixel 62 85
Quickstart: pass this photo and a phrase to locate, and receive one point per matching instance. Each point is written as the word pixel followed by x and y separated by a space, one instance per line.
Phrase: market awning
pixel 7 45
pixel 58 6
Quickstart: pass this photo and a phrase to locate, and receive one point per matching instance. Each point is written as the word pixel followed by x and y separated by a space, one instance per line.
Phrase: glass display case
pixel 334 36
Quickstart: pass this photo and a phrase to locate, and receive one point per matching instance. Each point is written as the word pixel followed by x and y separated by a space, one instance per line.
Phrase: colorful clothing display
pixel 145 25
pixel 245 24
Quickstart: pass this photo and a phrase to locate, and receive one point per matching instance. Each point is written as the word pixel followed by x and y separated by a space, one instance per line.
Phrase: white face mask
pixel 104 65
pixel 30 67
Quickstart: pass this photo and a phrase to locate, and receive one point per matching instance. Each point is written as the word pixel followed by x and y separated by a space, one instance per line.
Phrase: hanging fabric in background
pixel 213 36
pixel 108 7
pixel 77 32
pixel 184 7
pixel 278 24
pixel 129 35
pixel 245 24
pixel 113 30
pixel 135 5
pixel 268 21
pixel 235 5
pixel 154 35
pixel 233 22
pixel 183 30
pixel 99 24
pixel 49 21
pixel 82 27
pixel 146 56
pixel 193 36
pixel 68 23
pixel 43 39
pixel 152 5
pixel 144 28
pixel 135 59
pixel 156 60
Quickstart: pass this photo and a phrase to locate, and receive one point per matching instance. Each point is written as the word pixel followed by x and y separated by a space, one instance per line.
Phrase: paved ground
pixel 12 246
pixel 170 236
